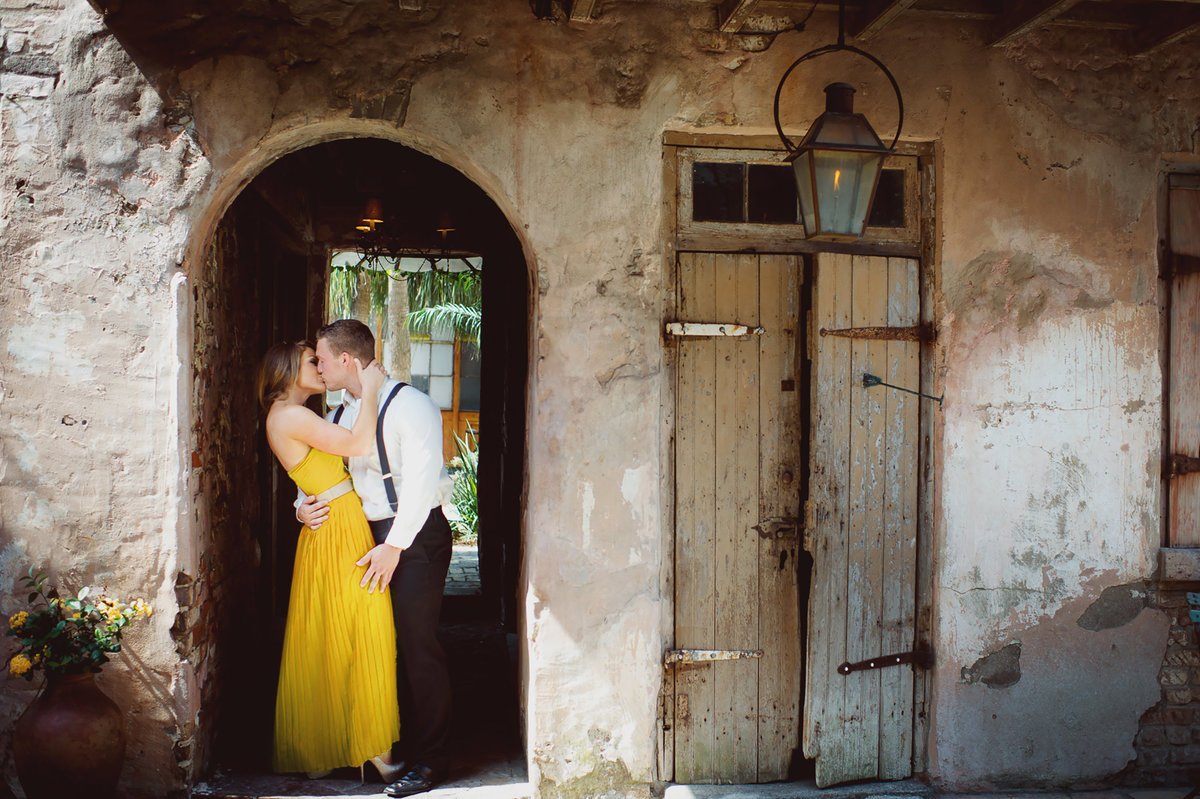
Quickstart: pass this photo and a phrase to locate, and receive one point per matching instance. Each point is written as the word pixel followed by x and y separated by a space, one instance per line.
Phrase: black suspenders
pixel 389 483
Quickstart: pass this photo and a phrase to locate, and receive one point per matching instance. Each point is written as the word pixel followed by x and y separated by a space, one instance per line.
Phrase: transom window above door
pixel 750 194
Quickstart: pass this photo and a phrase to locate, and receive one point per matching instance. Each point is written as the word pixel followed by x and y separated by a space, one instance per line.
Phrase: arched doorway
pixel 265 278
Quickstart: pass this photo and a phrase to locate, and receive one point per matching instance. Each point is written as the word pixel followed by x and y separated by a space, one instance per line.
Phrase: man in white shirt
pixel 412 537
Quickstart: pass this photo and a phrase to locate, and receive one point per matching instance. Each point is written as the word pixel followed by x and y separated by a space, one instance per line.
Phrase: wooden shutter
pixel 859 726
pixel 735 718
pixel 1183 402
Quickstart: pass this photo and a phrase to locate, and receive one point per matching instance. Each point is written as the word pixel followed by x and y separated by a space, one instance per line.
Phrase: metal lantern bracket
pixel 840 46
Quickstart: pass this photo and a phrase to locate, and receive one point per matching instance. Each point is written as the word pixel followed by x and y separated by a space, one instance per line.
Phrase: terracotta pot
pixel 70 741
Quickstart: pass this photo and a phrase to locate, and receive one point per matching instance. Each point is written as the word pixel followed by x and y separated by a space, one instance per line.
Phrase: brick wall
pixel 1168 741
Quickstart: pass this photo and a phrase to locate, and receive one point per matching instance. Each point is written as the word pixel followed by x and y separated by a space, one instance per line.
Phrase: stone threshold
pixel 907 789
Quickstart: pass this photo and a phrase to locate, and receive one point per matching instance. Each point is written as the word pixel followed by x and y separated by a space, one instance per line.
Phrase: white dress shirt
pixel 412 436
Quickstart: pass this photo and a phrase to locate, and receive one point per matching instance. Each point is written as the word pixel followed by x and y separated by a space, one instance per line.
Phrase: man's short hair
pixel 349 335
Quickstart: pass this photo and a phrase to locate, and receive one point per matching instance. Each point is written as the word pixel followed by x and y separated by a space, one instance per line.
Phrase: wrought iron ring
pixel 836 48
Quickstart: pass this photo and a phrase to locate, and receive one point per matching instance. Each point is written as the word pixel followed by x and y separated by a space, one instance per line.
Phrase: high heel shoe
pixel 389 772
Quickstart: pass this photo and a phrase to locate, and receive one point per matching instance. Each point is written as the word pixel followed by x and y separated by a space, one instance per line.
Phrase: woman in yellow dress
pixel 336 704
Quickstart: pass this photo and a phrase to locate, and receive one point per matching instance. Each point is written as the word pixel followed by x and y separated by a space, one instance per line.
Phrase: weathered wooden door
pixel 1183 387
pixel 864 504
pixel 733 685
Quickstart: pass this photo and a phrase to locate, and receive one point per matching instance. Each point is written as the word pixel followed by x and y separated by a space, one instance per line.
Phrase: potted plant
pixel 72 736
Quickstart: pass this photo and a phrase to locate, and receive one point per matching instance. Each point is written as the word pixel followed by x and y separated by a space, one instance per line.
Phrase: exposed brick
pixel 1178 696
pixel 1178 736
pixel 1182 657
pixel 1174 676
pixel 1153 736
pixel 1154 716
pixel 1153 757
pixel 1184 754
pixel 1177 715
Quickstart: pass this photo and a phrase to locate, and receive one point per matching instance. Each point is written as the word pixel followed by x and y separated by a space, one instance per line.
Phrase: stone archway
pixel 257 266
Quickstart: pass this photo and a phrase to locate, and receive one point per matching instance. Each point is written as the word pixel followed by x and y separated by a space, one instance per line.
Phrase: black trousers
pixel 422 679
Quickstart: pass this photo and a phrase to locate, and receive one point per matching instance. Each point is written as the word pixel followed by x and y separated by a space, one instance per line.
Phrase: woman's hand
pixel 370 376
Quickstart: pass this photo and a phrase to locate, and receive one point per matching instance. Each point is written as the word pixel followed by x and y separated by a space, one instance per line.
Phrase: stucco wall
pixel 1047 450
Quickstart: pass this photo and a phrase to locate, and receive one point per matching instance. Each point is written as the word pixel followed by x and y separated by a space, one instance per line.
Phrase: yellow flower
pixel 141 608
pixel 18 619
pixel 19 665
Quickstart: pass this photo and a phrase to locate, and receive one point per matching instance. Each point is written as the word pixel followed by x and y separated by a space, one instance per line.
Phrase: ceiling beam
pixel 1165 28
pixel 735 13
pixel 875 16
pixel 1020 18
pixel 582 10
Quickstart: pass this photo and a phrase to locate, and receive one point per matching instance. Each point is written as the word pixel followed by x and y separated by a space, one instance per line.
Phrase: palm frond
pixel 465 321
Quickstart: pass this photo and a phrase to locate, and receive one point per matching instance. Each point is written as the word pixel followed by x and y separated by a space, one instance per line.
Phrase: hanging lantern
pixel 837 166
pixel 372 216
pixel 839 160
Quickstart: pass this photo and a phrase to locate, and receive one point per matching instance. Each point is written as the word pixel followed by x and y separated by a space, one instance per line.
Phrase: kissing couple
pixel 363 677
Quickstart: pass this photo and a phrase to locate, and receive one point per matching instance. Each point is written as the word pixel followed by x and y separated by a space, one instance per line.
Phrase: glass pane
pixel 441 389
pixel 717 191
pixel 441 360
pixel 888 208
pixel 469 360
pixel 420 382
pixel 468 381
pixel 772 194
pixel 420 359
pixel 468 394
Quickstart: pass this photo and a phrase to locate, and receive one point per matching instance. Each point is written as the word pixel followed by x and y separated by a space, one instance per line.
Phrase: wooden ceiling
pixel 1135 27
pixel 1138 27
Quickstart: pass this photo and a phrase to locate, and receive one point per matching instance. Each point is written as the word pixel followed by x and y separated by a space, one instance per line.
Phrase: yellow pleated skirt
pixel 336 705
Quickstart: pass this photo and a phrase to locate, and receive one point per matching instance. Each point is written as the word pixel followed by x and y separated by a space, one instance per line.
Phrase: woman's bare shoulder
pixel 284 417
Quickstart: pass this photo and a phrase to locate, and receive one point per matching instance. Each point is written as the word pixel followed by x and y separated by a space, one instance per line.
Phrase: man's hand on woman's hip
pixel 380 562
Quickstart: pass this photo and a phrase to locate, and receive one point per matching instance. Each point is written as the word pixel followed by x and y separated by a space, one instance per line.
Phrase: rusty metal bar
pixel 921 658
pixel 869 380
pixel 674 656
pixel 725 329
pixel 1184 264
pixel 922 333
pixel 1178 465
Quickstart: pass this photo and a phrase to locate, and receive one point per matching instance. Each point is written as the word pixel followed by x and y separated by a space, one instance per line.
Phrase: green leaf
pixel 33 596
pixel 83 592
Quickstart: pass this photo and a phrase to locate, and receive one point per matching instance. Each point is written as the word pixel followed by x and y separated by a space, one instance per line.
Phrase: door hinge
pixel 683 656
pixel 711 329
pixel 923 333
pixel 1178 465
pixel 920 658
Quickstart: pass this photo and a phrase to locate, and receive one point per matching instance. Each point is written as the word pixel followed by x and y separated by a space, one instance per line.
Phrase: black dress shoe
pixel 419 779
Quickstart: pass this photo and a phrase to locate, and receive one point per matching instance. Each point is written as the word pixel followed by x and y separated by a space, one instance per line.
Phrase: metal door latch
pixel 674 656
pixel 717 329
pixel 869 380
pixel 920 658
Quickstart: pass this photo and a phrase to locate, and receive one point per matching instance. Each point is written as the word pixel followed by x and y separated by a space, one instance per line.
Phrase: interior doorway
pixel 265 278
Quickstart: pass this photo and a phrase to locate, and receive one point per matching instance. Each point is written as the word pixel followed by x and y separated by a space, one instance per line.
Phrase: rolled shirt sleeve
pixel 412 434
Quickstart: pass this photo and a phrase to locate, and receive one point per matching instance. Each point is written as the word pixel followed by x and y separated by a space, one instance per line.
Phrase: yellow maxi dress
pixel 336 704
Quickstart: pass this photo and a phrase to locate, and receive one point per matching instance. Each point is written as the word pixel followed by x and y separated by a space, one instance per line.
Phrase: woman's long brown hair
pixel 279 369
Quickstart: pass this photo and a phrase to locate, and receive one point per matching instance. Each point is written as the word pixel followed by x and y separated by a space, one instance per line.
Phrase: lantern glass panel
pixel 844 183
pixel 802 166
